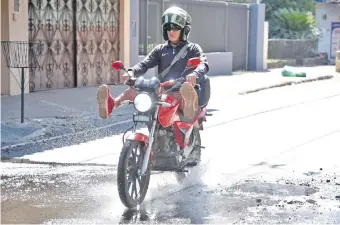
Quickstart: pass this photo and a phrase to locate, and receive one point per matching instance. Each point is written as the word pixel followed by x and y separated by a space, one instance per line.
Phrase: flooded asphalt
pixel 33 193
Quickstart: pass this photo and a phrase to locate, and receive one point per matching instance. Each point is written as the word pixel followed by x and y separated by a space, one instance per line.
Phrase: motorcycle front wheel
pixel 132 188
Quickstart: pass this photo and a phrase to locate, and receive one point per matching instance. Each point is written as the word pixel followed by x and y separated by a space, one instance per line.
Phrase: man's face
pixel 173 33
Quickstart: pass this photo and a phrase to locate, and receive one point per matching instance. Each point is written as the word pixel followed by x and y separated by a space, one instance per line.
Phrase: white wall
pixel 265 45
pixel 14 27
pixel 332 11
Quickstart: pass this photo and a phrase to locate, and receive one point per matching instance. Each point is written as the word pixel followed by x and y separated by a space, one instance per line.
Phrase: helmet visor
pixel 174 19
pixel 171 26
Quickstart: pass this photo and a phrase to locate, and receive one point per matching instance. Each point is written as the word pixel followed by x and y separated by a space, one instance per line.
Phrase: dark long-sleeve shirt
pixel 162 56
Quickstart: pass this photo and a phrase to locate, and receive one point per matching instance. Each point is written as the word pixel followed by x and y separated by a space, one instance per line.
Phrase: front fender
pixel 140 135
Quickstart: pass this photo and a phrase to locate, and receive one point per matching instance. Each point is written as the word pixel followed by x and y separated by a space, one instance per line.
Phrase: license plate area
pixel 140 118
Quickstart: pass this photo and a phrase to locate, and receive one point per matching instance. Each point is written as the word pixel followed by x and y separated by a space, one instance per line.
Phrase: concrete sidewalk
pixel 241 82
pixel 55 112
pixel 62 111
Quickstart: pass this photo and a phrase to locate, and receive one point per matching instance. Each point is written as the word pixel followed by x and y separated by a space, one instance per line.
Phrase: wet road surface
pixel 59 195
pixel 279 166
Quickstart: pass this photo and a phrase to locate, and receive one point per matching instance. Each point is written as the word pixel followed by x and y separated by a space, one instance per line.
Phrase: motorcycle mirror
pixel 117 65
pixel 193 62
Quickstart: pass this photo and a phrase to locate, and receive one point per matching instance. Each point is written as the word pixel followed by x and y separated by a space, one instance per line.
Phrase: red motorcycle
pixel 168 143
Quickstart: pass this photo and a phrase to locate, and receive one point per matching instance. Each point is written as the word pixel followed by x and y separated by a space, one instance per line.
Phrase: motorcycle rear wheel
pixel 130 161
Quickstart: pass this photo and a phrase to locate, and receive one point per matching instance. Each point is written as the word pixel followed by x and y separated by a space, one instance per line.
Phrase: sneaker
pixel 105 101
pixel 190 99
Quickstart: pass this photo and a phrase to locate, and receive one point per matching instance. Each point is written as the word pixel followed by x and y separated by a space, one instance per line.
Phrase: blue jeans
pixel 204 93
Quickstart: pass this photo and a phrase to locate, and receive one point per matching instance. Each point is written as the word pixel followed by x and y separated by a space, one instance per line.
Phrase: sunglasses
pixel 174 27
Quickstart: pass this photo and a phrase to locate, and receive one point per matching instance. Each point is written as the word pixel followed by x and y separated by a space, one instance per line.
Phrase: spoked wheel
pixel 195 140
pixel 132 188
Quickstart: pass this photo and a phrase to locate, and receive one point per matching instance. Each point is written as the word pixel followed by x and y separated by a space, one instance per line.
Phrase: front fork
pixel 151 139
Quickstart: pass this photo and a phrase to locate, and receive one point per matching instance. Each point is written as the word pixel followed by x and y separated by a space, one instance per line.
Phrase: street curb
pixel 286 83
pixel 66 135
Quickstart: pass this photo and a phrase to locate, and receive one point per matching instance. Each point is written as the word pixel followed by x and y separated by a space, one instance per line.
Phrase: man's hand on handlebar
pixel 129 78
pixel 125 76
pixel 130 82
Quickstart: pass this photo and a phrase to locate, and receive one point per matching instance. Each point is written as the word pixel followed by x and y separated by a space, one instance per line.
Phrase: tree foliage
pixel 293 24
pixel 291 19
pixel 274 5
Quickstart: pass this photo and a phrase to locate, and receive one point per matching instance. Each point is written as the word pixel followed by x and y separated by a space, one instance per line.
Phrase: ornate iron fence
pixel 79 39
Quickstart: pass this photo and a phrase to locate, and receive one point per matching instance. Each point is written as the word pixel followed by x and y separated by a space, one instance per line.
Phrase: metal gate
pixel 79 41
pixel 217 26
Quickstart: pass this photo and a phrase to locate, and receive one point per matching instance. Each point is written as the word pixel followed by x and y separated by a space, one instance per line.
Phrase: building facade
pixel 328 21
pixel 74 42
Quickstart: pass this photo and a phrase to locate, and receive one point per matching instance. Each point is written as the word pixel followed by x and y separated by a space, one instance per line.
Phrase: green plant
pixel 273 5
pixel 293 24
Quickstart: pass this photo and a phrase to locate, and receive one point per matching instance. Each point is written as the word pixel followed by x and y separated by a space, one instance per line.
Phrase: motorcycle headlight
pixel 143 102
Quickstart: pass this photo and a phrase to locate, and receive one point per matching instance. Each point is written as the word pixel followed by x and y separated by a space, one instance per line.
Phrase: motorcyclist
pixel 176 24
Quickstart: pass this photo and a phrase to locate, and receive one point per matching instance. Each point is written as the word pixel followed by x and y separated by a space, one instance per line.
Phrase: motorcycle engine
pixel 165 144
pixel 165 140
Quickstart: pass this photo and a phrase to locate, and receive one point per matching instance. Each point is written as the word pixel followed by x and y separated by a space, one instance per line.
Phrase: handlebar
pixel 191 64
pixel 173 82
